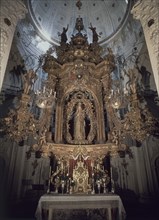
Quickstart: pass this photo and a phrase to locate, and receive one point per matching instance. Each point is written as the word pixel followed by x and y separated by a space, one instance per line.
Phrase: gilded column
pixel 148 14
pixel 11 11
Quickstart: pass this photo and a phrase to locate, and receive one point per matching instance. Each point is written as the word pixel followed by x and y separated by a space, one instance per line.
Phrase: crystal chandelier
pixel 45 98
pixel 20 122
pixel 139 122
pixel 131 115
pixel 118 96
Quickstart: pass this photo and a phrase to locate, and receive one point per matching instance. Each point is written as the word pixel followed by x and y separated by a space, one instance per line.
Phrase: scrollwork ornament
pixel 3 42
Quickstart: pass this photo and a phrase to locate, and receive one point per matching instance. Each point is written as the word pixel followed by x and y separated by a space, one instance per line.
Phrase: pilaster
pixel 148 14
pixel 11 11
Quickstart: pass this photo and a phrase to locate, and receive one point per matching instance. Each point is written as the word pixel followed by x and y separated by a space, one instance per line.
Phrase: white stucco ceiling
pixel 40 29
pixel 35 36
pixel 50 16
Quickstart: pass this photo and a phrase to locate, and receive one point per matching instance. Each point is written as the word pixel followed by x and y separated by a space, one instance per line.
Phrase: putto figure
pixel 95 35
pixel 64 35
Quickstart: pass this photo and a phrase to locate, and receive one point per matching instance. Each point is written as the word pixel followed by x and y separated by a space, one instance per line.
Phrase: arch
pixel 60 111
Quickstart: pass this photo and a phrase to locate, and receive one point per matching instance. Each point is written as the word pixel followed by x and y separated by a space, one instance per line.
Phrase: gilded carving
pixel 82 122
pixel 81 114
pixel 80 176
pixel 3 42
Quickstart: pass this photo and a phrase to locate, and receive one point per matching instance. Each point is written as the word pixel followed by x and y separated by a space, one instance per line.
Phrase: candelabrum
pixel 98 182
pixel 62 185
pixel 20 122
pixel 57 184
pixel 49 182
pixel 59 180
pixel 130 112
pixel 68 186
pixel 93 186
pixel 104 185
pixel 100 177
pixel 72 184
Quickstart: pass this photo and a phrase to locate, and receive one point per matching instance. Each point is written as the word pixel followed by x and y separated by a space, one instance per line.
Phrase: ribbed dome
pixel 50 16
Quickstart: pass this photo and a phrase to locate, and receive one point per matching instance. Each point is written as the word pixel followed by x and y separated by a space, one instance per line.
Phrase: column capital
pixel 12 10
pixel 144 9
pixel 147 12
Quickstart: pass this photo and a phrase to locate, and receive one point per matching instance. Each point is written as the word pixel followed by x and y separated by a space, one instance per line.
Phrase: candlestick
pixel 48 190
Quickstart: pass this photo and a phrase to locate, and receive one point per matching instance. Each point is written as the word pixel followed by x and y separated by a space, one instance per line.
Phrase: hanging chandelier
pixel 45 98
pixel 118 96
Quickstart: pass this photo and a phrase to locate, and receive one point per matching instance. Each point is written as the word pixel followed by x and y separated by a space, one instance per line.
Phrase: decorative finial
pixel 79 24
pixel 79 4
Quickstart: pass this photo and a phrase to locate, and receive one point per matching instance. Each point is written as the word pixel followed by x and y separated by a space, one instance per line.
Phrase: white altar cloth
pixel 53 202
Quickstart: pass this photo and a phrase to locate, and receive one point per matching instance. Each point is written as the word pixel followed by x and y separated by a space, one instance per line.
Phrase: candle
pixel 97 166
pixel 111 172
pixel 44 89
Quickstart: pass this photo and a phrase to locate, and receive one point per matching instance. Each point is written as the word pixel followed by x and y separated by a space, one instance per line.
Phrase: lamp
pixel 118 96
pixel 45 98
pixel 131 116
pixel 20 122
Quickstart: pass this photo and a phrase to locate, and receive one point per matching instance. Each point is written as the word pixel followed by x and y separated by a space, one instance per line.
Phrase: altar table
pixel 107 203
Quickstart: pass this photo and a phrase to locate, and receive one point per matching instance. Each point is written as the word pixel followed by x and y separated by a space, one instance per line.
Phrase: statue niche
pixel 79 121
